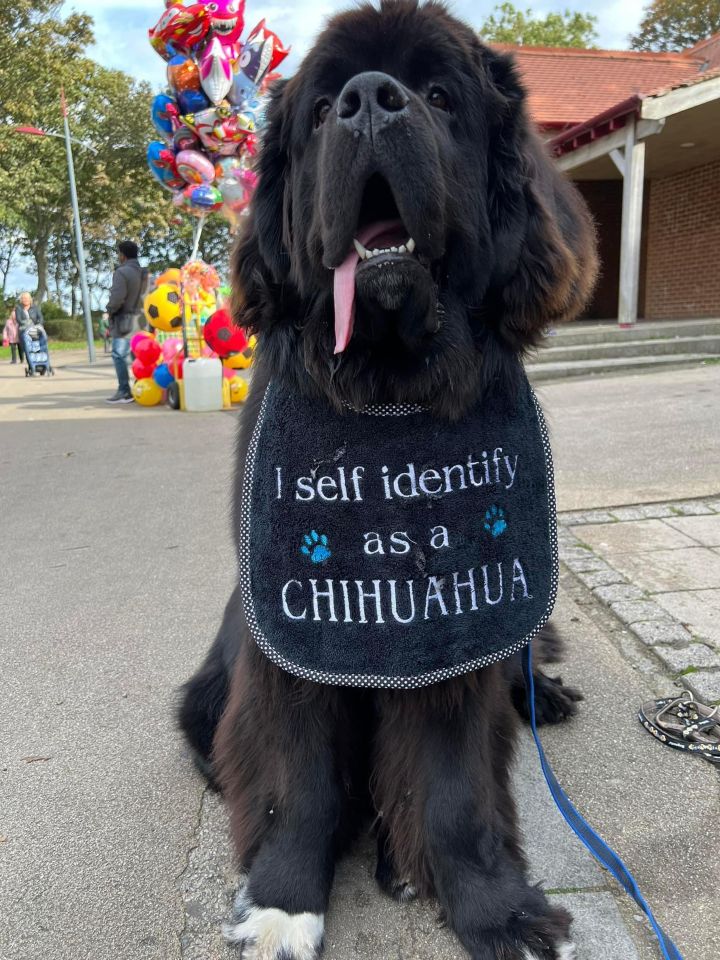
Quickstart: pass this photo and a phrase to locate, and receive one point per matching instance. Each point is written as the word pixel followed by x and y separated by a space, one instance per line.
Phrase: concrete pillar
pixel 633 170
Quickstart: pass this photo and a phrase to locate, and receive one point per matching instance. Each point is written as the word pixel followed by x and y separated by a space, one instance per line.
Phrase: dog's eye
pixel 438 98
pixel 320 112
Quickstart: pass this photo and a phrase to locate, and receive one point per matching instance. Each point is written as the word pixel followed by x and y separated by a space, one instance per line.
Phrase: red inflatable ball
pixel 147 351
pixel 137 337
pixel 223 336
pixel 142 371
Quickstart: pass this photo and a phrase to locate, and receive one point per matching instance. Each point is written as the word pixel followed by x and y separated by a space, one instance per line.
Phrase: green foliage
pixel 53 311
pixel 676 24
pixel 507 24
pixel 69 329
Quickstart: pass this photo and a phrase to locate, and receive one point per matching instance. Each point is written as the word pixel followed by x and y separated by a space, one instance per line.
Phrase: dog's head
pixel 408 233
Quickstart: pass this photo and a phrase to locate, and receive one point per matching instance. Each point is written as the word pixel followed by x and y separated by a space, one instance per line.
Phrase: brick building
pixel 640 134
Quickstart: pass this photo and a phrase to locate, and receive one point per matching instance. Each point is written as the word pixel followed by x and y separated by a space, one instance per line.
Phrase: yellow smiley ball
pixel 146 392
pixel 238 390
pixel 163 308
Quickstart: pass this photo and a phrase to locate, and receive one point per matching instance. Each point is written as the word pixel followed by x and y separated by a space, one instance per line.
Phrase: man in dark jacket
pixel 123 309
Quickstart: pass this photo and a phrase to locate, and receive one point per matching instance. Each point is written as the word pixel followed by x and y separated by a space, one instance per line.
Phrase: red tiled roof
pixel 567 86
pixel 707 50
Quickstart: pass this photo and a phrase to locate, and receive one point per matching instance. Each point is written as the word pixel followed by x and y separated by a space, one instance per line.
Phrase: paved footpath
pixel 117 566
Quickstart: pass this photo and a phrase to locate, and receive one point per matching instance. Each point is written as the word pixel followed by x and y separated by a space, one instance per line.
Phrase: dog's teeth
pixel 375 252
pixel 402 249
pixel 361 251
pixel 393 249
pixel 410 245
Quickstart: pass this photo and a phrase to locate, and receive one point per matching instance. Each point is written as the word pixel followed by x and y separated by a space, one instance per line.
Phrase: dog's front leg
pixel 276 759
pixel 444 795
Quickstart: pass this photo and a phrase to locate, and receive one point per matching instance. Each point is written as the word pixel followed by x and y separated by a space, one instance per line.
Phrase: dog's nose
pixel 371 100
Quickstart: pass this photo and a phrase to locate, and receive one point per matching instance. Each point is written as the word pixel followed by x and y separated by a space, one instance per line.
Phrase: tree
pixel 507 24
pixel 676 24
pixel 107 109
pixel 11 242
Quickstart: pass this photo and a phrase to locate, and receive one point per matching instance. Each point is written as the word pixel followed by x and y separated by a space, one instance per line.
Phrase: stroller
pixel 37 355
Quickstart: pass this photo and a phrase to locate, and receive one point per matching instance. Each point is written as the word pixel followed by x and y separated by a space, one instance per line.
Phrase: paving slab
pixel 632 537
pixel 671 570
pixel 703 529
pixel 698 610
pixel 641 438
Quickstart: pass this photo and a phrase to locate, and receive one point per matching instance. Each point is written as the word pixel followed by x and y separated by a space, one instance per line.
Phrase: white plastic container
pixel 202 377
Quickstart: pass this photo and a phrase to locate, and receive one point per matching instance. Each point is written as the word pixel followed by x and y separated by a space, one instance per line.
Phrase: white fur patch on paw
pixel 267 933
pixel 565 951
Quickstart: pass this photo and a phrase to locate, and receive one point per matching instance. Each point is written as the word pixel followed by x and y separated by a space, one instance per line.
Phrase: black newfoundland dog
pixel 407 242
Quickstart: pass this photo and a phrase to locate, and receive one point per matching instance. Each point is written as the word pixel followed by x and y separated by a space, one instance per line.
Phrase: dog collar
pixel 387 548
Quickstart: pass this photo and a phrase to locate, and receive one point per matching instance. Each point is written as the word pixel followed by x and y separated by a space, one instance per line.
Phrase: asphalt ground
pixel 118 562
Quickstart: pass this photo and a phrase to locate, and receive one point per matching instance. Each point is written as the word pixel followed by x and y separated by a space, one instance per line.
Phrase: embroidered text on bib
pixel 390 549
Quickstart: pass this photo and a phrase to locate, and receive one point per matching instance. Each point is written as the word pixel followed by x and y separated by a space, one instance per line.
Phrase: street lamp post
pixel 85 293
pixel 78 237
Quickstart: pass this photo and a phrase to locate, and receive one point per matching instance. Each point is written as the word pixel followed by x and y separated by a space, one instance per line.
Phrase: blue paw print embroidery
pixel 495 521
pixel 315 546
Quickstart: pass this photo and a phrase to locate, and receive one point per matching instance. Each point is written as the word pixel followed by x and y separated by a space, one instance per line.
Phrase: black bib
pixel 386 548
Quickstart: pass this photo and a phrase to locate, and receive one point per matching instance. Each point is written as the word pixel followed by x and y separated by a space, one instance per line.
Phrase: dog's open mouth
pixel 381 241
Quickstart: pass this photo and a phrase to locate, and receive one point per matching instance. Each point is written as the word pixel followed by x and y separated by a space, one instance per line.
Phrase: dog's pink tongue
pixel 344 283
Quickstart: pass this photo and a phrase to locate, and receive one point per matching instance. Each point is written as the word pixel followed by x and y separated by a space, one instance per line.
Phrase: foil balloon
pixel 261 53
pixel 225 166
pixel 185 139
pixel 226 19
pixel 234 193
pixel 204 196
pixel 163 114
pixel 216 74
pixel 161 162
pixel 192 101
pixel 194 167
pixel 183 74
pixel 179 26
pixel 219 129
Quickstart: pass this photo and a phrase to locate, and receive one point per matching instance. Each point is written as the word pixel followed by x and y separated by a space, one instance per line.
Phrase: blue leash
pixel 604 854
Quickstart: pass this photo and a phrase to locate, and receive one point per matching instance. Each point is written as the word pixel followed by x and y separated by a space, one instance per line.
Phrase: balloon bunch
pixel 209 118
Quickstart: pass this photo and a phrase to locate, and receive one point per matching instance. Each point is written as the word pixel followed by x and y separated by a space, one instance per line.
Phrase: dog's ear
pixel 542 233
pixel 260 260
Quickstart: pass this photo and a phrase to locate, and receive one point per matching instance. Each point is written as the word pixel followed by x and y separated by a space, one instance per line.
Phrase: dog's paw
pixel 528 936
pixel 403 890
pixel 563 951
pixel 554 702
pixel 267 933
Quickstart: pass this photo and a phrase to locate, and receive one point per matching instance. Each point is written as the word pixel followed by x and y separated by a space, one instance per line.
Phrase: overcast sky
pixel 121 25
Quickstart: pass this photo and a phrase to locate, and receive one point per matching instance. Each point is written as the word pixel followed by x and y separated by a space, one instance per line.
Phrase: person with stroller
pixel 123 309
pixel 29 319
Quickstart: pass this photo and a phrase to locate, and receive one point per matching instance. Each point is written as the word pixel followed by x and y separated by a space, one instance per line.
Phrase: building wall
pixel 683 245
